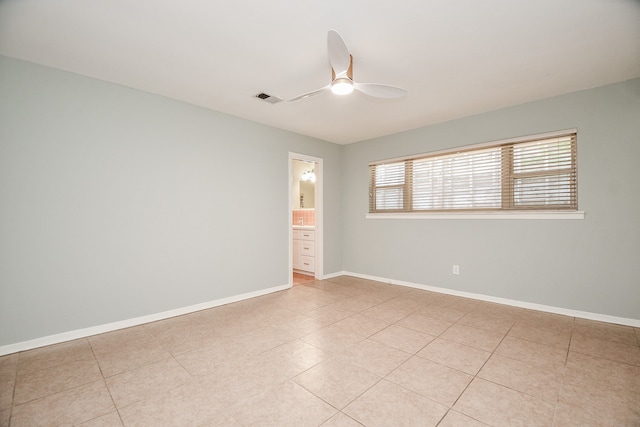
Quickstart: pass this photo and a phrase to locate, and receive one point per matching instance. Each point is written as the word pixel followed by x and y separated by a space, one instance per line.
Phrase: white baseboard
pixel 515 303
pixel 109 327
pixel 332 275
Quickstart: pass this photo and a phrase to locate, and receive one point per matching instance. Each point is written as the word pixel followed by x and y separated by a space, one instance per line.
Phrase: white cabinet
pixel 304 250
pixel 296 254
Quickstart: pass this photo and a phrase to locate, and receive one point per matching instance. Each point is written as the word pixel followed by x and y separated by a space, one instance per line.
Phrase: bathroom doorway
pixel 305 218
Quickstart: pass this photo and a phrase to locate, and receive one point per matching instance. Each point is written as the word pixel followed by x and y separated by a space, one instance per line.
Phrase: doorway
pixel 305 218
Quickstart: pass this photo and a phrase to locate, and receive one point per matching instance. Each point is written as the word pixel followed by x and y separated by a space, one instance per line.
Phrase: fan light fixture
pixel 342 86
pixel 342 82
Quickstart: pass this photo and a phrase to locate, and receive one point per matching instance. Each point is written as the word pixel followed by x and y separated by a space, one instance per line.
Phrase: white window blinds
pixel 536 173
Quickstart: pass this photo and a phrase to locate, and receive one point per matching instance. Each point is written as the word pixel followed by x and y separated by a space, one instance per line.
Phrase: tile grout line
pixel 564 370
pixel 478 371
pixel 415 354
pixel 380 378
pixel 104 380
pixel 13 392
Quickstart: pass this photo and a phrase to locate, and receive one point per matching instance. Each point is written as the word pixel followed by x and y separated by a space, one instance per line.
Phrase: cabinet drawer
pixel 304 234
pixel 307 263
pixel 307 248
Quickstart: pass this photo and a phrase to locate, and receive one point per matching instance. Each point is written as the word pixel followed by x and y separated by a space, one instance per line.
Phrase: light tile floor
pixel 338 352
pixel 302 279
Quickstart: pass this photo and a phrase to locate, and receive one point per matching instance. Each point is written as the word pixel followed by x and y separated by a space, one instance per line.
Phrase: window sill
pixel 480 215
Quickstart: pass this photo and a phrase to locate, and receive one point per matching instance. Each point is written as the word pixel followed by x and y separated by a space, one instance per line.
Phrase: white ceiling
pixel 455 57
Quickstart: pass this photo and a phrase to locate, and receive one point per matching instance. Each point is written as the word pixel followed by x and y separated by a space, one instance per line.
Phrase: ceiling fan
pixel 342 74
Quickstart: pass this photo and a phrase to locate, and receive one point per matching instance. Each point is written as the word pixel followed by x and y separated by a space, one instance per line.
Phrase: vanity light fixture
pixel 309 176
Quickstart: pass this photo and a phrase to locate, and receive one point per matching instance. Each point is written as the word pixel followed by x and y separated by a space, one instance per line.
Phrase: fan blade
pixel 338 53
pixel 309 94
pixel 380 91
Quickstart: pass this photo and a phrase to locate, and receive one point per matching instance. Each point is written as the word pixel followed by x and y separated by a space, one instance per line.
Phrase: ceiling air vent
pixel 269 98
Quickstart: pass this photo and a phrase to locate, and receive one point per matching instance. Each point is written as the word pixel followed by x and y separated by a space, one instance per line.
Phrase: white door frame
pixel 318 214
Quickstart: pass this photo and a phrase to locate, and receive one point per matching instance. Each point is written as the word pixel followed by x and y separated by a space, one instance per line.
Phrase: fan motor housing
pixel 349 70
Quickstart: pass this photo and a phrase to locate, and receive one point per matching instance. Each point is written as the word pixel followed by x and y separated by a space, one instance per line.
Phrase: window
pixel 534 173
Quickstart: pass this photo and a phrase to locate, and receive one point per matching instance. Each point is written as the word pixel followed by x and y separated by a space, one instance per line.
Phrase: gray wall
pixel 116 203
pixel 590 265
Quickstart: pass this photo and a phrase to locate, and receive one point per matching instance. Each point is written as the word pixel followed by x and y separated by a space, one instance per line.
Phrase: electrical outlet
pixel 456 269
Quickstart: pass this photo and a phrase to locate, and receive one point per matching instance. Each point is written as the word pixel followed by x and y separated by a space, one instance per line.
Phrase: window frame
pixel 508 177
